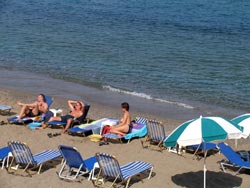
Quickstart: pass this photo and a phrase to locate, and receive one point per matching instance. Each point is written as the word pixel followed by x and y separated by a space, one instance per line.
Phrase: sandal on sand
pixel 50 135
pixel 56 134
pixel 103 143
pixel 2 123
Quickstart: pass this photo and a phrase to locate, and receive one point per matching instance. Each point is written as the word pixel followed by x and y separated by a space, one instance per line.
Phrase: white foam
pixel 146 96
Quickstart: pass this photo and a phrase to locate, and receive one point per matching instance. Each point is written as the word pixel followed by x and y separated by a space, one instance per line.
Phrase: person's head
pixel 125 106
pixel 41 98
pixel 78 105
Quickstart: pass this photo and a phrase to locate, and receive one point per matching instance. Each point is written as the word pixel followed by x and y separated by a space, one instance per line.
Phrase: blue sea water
pixel 186 53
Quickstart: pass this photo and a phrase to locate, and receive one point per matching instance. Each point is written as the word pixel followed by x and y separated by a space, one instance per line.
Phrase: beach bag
pixel 106 130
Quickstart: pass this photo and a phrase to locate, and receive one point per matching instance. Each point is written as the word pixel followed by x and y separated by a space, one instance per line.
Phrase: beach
pixel 170 170
pixel 172 61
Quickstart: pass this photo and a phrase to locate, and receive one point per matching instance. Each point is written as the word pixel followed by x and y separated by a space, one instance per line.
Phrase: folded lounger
pixel 75 121
pixel 136 131
pixel 4 109
pixel 23 160
pixel 111 170
pixel 4 152
pixel 156 135
pixel 74 166
pixel 26 120
pixel 233 159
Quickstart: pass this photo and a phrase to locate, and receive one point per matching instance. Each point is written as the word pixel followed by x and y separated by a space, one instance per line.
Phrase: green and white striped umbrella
pixel 243 121
pixel 203 129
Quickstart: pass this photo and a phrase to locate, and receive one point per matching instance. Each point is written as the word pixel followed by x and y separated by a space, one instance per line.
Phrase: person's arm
pixel 124 120
pixel 83 106
pixel 29 105
pixel 44 107
pixel 71 104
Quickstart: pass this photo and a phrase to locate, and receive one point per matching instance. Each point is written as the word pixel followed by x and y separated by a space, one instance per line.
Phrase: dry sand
pixel 170 170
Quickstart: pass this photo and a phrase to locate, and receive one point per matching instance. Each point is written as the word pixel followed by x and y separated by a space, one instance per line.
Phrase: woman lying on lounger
pixel 76 111
pixel 34 109
pixel 125 123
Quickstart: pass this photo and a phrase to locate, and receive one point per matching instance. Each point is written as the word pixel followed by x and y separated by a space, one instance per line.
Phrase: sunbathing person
pixel 34 109
pixel 76 111
pixel 123 127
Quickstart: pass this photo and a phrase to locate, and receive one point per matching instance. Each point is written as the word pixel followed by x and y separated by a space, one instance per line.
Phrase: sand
pixel 170 170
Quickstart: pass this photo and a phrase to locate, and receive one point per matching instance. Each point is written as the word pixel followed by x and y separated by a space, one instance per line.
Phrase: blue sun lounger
pixel 137 131
pixel 110 169
pixel 76 121
pixel 74 166
pixel 234 159
pixel 22 157
pixel 26 120
pixel 4 152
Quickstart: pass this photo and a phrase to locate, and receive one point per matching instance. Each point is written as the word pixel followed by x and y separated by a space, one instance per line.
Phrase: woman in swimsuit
pixel 76 111
pixel 123 127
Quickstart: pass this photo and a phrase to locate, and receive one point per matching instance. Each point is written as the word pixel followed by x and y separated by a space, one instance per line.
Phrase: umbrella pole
pixel 205 169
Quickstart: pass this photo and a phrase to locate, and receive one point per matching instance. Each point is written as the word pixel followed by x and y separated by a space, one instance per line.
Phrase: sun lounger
pixel 4 152
pixel 74 166
pixel 138 130
pixel 26 120
pixel 233 158
pixel 4 109
pixel 23 160
pixel 156 135
pixel 94 127
pixel 111 170
pixel 202 149
pixel 76 121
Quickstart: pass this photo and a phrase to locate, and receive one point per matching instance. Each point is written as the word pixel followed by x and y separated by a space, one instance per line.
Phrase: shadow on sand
pixel 214 180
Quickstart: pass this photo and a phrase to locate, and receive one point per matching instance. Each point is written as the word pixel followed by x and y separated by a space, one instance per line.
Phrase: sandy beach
pixel 170 170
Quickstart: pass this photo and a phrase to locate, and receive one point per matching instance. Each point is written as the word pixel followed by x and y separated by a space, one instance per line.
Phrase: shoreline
pixel 104 98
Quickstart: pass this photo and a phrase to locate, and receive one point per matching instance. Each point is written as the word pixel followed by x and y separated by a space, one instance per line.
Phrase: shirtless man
pixel 34 109
pixel 123 127
pixel 76 111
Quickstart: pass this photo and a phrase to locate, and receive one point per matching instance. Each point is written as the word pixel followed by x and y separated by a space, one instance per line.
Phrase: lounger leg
pixel 150 173
pixel 3 162
pixel 40 167
pixel 128 181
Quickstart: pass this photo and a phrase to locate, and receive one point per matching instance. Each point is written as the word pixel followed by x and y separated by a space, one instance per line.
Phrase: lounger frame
pixel 111 170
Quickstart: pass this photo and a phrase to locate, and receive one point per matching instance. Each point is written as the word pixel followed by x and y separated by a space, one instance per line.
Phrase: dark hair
pixel 43 96
pixel 125 105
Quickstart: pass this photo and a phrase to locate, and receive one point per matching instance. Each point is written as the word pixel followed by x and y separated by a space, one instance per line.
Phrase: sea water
pixel 188 54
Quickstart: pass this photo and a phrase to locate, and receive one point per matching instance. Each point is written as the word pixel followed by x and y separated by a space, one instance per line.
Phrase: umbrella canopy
pixel 203 129
pixel 243 121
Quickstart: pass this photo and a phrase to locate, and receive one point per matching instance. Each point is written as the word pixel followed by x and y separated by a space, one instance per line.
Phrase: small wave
pixel 146 96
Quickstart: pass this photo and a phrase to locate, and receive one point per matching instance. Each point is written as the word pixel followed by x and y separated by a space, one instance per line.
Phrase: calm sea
pixel 185 53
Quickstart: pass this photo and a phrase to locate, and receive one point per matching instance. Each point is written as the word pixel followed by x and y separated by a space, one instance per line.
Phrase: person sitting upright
pixel 123 127
pixel 34 109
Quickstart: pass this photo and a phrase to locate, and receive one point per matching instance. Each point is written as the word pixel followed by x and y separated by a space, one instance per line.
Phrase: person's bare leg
pixel 44 126
pixel 117 132
pixel 69 121
pixel 35 110
pixel 57 118
pixel 22 112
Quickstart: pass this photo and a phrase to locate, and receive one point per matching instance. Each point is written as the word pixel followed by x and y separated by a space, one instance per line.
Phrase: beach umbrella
pixel 243 121
pixel 203 129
